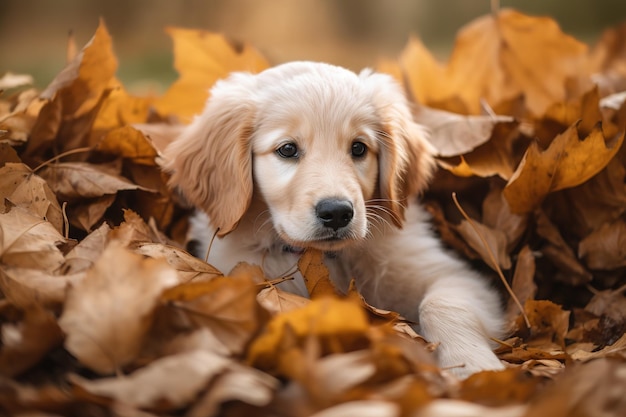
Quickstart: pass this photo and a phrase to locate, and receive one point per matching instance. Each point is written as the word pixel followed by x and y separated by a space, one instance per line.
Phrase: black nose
pixel 334 213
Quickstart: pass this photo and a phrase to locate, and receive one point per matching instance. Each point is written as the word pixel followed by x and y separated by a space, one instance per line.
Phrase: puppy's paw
pixel 464 361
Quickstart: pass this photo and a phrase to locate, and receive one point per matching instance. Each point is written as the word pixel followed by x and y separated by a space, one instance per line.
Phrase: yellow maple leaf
pixel 202 58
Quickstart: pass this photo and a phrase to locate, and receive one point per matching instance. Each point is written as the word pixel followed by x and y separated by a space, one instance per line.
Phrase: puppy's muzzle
pixel 334 213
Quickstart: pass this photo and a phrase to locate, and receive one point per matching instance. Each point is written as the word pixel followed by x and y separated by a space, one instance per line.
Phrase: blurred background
pixel 352 33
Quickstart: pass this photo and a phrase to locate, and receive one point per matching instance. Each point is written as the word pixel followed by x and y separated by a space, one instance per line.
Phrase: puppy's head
pixel 326 150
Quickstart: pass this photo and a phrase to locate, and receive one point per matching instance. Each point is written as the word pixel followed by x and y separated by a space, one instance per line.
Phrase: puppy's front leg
pixel 460 313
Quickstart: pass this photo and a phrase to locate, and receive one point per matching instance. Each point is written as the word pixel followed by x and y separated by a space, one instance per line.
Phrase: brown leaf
pixel 338 320
pixel 23 188
pixel 594 389
pixel 497 215
pixel 75 97
pixel 277 301
pixel 225 305
pixel 548 323
pixel 494 157
pixel 201 58
pixel 169 383
pixel 508 52
pixel 89 212
pixel 496 241
pixel 514 387
pixel 82 82
pixel 316 275
pixel 560 253
pixel 453 134
pixel 28 241
pixel 566 163
pixel 25 287
pixel 108 313
pixel 523 284
pixel 609 303
pixel 605 248
pixel 129 143
pixel 27 342
pixel 189 267
pixel 425 77
pixel 83 180
pixel 87 252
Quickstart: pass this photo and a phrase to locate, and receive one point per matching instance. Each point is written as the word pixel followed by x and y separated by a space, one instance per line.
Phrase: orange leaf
pixel 315 274
pixel 566 163
pixel 498 57
pixel 202 58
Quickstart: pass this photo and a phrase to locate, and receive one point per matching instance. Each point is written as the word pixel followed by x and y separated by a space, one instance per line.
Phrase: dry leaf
pixel 324 317
pixel 28 241
pixel 88 250
pixel 201 58
pixel 568 162
pixel 167 383
pixel 25 344
pixel 225 305
pixel 189 267
pixel 605 248
pixel 23 188
pixel 25 287
pixel 523 284
pixel 109 312
pixel 129 143
pixel 315 273
pixel 277 301
pixel 453 134
pixel 82 180
pixel 496 243
pixel 500 56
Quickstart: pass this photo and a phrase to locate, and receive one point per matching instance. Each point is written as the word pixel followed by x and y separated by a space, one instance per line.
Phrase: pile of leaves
pixel 103 313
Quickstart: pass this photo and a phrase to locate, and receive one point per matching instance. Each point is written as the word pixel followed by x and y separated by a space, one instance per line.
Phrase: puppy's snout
pixel 334 213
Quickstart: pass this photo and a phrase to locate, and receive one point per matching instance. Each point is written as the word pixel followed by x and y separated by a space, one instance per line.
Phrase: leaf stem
pixel 62 155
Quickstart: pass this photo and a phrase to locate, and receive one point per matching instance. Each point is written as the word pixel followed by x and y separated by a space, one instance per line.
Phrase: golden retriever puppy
pixel 310 155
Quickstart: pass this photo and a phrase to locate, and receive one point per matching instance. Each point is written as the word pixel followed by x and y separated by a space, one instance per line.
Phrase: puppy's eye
pixel 288 150
pixel 359 149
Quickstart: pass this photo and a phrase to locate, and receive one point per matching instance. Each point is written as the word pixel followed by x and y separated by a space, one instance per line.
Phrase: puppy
pixel 309 155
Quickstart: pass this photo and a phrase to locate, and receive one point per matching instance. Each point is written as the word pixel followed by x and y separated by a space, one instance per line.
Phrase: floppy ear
pixel 211 162
pixel 406 161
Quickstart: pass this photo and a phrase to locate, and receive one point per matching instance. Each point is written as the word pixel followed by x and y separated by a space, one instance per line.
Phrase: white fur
pixel 261 203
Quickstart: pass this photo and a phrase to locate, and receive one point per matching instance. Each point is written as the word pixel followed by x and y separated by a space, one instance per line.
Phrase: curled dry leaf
pixel 108 313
